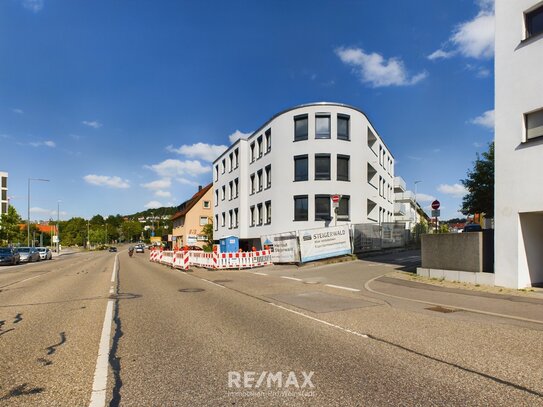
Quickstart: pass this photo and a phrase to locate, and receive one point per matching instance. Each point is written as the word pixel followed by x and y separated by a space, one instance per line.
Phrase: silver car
pixel 28 254
pixel 45 253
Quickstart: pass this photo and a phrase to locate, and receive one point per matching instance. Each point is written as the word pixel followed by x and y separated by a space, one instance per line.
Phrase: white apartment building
pixel 519 143
pixel 4 201
pixel 406 208
pixel 281 178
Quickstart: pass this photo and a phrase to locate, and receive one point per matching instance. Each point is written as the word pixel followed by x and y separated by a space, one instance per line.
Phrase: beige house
pixel 191 217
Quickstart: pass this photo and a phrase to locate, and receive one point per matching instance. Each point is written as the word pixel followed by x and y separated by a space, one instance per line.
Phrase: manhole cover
pixel 190 290
pixel 124 296
pixel 442 309
pixel 222 281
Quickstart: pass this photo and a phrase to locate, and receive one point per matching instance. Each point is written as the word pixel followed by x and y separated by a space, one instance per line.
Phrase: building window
pixel 236 217
pixel 253 185
pixel 236 158
pixel 343 168
pixel 268 140
pixel 207 204
pixel 534 22
pixel 268 176
pixel 322 207
pixel 268 212
pixel 322 126
pixel 260 180
pixel 300 128
pixel 322 166
pixel 230 218
pixel 223 166
pixel 223 192
pixel 252 220
pixel 223 219
pixel 216 197
pixel 260 147
pixel 260 214
pixel 230 162
pixel 4 195
pixel 534 124
pixel 343 208
pixel 4 182
pixel 203 220
pixel 300 207
pixel 253 151
pixel 216 172
pixel 343 127
pixel 230 190
pixel 301 172
pixel 236 188
pixel 216 222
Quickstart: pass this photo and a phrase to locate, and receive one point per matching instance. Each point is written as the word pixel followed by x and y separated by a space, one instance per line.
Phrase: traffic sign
pixel 436 213
pixel 335 200
pixel 435 204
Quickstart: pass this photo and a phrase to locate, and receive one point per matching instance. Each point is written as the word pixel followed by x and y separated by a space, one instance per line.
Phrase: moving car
pixel 139 249
pixel 113 249
pixel 472 227
pixel 28 254
pixel 45 253
pixel 9 255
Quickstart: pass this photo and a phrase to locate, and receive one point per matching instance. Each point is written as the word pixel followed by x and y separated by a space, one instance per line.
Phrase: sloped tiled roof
pixel 189 204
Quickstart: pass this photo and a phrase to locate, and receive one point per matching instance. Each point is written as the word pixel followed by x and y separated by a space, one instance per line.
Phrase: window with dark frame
pixel 322 126
pixel 223 163
pixel 216 197
pixel 216 222
pixel 301 170
pixel 236 158
pixel 260 180
pixel 268 212
pixel 322 166
pixel 230 218
pixel 236 188
pixel 223 219
pixel 300 128
pixel 260 146
pixel 217 172
pixel 252 220
pixel 343 167
pixel 343 127
pixel 253 151
pixel 252 184
pixel 268 140
pixel 534 124
pixel 230 190
pixel 534 22
pixel 268 176
pixel 260 214
pixel 343 208
pixel 236 217
pixel 322 207
pixel 300 208
pixel 223 192
pixel 230 162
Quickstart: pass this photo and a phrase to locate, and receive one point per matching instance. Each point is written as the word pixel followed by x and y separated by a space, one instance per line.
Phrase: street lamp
pixel 416 208
pixel 28 219
pixel 58 226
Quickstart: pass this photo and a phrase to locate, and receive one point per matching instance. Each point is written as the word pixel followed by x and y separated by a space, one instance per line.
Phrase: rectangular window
pixel 260 214
pixel 268 176
pixel 252 220
pixel 230 190
pixel 216 197
pixel 4 195
pixel 322 166
pixel 253 184
pixel 343 127
pixel 216 222
pixel 4 207
pixel 381 156
pixel 223 219
pixel 260 180
pixel 223 192
pixel 343 209
pixel 216 172
pixel 322 207
pixel 268 212
pixel 253 151
pixel 236 188
pixel 534 22
pixel 230 162
pixel 301 172
pixel 322 126
pixel 236 158
pixel 203 220
pixel 268 140
pixel 534 124
pixel 4 182
pixel 300 207
pixel 230 219
pixel 236 217
pixel 260 147
pixel 223 166
pixel 207 204
pixel 300 128
pixel 343 167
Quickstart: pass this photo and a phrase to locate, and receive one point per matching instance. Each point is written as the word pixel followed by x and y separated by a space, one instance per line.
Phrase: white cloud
pixel 185 181
pixel 237 135
pixel 47 143
pixel 177 168
pixel 33 5
pixel 485 120
pixel 94 124
pixel 376 71
pixel 107 181
pixel 18 111
pixel 476 144
pixel 202 151
pixel 153 205
pixel 158 184
pixel 425 197
pixel 455 190
pixel 47 212
pixel 163 194
pixel 473 38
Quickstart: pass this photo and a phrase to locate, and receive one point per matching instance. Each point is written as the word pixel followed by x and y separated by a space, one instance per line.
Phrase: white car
pixel 45 253
pixel 139 249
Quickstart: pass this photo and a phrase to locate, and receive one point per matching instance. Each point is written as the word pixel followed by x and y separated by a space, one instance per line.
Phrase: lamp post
pixel 28 218
pixel 416 206
pixel 58 226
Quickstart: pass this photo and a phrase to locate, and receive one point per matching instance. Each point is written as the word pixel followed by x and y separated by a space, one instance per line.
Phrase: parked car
pixel 139 249
pixel 472 227
pixel 28 254
pixel 45 253
pixel 113 249
pixel 9 255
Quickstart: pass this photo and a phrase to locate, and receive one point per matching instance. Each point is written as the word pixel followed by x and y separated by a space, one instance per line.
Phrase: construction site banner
pixel 283 246
pixel 324 242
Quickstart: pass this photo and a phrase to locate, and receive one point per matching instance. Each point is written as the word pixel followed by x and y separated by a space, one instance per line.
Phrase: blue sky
pixel 123 104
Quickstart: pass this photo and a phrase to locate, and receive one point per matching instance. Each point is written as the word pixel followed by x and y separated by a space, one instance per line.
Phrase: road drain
pixel 442 309
pixel 190 290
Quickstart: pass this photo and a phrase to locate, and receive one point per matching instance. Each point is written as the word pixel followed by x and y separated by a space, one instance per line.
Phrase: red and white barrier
pixel 239 260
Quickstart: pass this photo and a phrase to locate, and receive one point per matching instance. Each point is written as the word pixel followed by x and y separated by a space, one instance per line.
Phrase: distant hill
pixel 157 212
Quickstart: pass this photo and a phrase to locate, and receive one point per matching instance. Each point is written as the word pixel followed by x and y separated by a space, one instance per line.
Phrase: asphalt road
pixel 177 338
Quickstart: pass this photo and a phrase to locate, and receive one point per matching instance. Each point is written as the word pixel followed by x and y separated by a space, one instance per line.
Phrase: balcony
pixel 399 184
pixel 406 196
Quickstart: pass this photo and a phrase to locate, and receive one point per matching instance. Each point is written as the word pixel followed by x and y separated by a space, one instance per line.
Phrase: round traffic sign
pixel 435 204
pixel 335 198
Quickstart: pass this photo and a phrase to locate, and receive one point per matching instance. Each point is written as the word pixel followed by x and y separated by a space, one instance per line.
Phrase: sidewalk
pixel 523 307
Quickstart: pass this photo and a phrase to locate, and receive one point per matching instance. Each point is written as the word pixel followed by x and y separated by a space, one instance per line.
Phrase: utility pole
pixel 28 217
pixel 58 227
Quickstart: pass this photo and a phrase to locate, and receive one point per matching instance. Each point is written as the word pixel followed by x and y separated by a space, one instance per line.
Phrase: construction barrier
pixel 183 259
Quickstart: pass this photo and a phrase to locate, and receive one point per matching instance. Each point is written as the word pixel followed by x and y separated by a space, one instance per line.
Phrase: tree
pixel 480 185
pixel 131 230
pixel 9 226
pixel 207 231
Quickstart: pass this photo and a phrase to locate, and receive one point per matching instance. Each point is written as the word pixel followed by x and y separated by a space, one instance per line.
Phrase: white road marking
pixel 292 278
pixel 260 274
pixel 99 385
pixel 342 288
pixel 211 282
pixel 320 320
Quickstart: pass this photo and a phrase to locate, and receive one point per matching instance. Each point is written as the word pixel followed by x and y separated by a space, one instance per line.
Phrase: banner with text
pixel 324 242
pixel 283 247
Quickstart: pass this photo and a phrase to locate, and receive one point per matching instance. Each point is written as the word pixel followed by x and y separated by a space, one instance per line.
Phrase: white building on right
pixel 519 143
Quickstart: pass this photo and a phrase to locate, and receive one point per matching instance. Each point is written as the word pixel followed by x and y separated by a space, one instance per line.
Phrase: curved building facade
pixel 282 177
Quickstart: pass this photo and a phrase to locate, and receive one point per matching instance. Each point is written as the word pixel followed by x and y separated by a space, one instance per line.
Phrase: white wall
pixel 519 165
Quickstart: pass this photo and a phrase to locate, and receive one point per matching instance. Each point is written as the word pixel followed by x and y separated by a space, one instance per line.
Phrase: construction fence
pixel 183 260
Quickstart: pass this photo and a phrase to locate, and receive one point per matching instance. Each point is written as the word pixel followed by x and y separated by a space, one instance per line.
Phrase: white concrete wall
pixel 284 188
pixel 519 165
